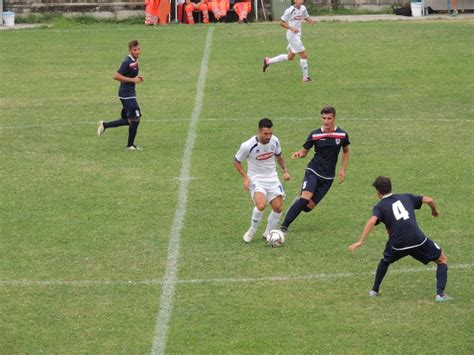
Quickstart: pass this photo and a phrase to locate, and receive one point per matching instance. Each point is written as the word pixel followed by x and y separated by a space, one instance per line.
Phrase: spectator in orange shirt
pixel 455 7
pixel 219 9
pixel 242 9
pixel 200 5
pixel 151 12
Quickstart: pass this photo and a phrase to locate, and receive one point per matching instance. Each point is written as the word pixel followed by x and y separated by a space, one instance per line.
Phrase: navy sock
pixel 132 132
pixel 293 212
pixel 116 123
pixel 380 274
pixel 441 278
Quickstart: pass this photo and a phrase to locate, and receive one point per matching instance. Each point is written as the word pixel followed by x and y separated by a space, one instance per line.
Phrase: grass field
pixel 86 225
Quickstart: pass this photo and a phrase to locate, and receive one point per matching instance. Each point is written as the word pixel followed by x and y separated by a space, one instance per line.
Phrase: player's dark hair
pixel 133 43
pixel 383 185
pixel 265 123
pixel 328 110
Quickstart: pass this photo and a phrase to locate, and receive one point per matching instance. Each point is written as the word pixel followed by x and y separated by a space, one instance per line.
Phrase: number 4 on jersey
pixel 399 211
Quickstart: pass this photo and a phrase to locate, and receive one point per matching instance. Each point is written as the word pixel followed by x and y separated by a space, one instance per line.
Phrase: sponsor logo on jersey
pixel 134 65
pixel 264 156
pixel 298 17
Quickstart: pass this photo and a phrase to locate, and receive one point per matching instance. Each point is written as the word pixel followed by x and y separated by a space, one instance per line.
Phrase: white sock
pixel 278 59
pixel 256 217
pixel 304 67
pixel 273 220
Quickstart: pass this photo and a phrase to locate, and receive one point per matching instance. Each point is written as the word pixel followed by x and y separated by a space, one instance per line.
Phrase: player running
pixel 292 20
pixel 397 212
pixel 321 170
pixel 128 76
pixel 261 178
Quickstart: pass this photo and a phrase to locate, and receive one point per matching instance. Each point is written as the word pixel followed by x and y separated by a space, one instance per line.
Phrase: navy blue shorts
pixel 316 185
pixel 130 109
pixel 428 251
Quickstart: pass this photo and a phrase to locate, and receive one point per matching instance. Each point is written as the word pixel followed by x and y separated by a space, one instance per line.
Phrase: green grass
pixel 318 10
pixel 59 20
pixel 87 213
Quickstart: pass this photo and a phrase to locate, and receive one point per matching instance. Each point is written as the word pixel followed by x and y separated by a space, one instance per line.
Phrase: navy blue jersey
pixel 129 68
pixel 397 212
pixel 326 150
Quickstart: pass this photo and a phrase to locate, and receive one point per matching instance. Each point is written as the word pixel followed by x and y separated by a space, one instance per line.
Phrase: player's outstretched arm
pixel 430 202
pixel 240 169
pixel 300 153
pixel 310 21
pixel 365 233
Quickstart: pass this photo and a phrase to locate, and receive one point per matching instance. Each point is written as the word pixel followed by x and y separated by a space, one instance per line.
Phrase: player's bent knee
pixel 309 207
pixel 277 209
pixel 442 259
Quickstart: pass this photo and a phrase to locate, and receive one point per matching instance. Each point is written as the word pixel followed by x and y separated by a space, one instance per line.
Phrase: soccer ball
pixel 275 238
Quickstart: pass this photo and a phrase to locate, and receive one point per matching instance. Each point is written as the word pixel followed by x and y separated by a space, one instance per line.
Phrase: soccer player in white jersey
pixel 261 177
pixel 292 20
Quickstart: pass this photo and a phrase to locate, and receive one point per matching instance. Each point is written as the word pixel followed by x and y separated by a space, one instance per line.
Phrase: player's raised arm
pixel 365 233
pixel 430 202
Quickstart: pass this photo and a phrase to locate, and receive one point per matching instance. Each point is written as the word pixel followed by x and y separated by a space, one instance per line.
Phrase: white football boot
pixel 134 147
pixel 100 129
pixel 248 236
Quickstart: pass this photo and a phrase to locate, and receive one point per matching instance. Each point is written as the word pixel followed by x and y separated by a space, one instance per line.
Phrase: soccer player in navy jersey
pixel 128 76
pixel 321 170
pixel 397 212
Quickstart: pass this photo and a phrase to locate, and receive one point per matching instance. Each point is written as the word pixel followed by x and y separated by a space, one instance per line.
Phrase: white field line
pixel 175 120
pixel 170 278
pixel 276 278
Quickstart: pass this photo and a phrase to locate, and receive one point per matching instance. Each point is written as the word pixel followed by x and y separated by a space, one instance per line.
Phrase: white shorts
pixel 294 44
pixel 270 190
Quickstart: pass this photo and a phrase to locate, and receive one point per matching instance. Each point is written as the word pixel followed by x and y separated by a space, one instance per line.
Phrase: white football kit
pixel 261 166
pixel 295 18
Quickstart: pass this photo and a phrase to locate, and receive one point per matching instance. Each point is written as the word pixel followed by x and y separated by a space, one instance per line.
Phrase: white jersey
pixel 260 159
pixel 295 18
